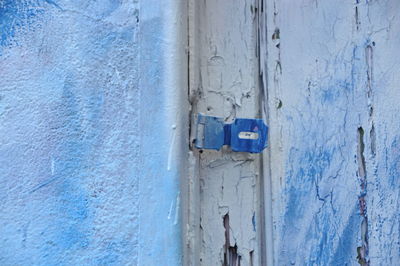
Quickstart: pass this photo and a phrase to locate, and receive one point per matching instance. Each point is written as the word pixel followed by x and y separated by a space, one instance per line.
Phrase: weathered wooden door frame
pixel 225 80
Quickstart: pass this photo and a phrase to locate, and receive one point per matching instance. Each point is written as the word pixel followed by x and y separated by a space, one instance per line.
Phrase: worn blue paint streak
pixel 312 166
pixel 317 225
pixel 348 239
pixel 16 15
pixel 72 223
pixel 310 227
pixel 253 221
pixel 394 164
pixel 13 16
pixel 305 183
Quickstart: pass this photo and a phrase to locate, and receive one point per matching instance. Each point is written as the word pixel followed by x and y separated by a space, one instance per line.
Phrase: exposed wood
pixel 331 92
pixel 224 82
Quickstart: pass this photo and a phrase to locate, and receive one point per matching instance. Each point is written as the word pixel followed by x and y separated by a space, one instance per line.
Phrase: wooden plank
pixel 331 99
pixel 224 82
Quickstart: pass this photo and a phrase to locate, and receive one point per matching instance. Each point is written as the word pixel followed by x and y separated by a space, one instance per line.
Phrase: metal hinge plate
pixel 243 135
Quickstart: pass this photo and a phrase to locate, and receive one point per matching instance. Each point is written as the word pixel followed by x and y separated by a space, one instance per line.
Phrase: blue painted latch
pixel 243 135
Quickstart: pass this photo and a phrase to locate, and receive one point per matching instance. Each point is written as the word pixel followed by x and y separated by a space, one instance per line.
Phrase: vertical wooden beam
pixel 224 82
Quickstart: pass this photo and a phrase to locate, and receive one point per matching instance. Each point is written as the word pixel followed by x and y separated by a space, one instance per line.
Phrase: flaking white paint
pixel 224 82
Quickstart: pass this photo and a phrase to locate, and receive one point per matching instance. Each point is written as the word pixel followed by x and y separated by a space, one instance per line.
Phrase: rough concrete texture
pixel 83 180
pixel 330 74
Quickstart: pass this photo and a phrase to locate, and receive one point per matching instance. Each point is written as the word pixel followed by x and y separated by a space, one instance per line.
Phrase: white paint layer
pixel 224 82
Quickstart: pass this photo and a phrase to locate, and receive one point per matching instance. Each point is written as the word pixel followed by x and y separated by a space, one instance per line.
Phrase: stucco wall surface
pixel 87 172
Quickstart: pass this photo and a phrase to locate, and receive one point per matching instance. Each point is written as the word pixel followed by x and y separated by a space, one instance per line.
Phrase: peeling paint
pixel 331 66
pixel 224 83
pixel 362 251
pixel 231 257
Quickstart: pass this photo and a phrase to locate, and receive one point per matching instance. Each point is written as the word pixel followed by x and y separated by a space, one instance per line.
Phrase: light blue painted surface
pixel 164 140
pixel 335 70
pixel 83 146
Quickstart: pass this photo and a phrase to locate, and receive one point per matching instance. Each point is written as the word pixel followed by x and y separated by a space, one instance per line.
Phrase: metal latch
pixel 243 135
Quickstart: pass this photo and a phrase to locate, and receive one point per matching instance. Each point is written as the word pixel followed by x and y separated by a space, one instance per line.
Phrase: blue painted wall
pixel 87 176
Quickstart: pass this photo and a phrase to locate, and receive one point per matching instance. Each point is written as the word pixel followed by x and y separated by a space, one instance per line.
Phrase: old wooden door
pixel 324 76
